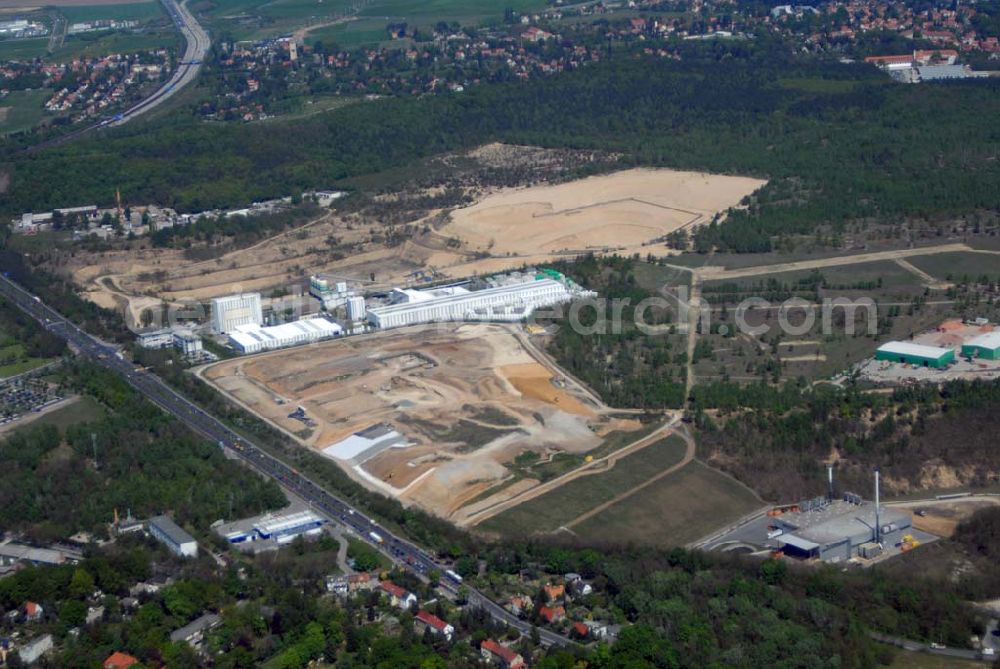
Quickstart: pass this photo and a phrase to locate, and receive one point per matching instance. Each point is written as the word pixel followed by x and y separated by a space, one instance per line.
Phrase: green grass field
pixel 139 11
pixel 427 12
pixel 676 510
pixel 23 49
pixel 256 19
pixel 548 512
pixel 16 362
pixel 955 266
pixel 24 109
pixel 84 410
pixel 102 43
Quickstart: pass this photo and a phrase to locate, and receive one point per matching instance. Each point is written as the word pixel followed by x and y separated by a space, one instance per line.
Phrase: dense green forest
pixel 861 149
pixel 18 327
pixel 51 486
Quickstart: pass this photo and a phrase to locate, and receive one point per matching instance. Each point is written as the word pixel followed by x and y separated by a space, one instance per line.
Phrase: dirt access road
pixel 688 457
pixel 699 275
pixel 598 466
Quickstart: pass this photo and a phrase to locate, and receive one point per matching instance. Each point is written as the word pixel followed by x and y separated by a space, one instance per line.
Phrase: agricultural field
pixel 566 504
pixel 433 416
pixel 23 49
pixel 131 11
pixel 676 510
pixel 256 19
pixel 104 42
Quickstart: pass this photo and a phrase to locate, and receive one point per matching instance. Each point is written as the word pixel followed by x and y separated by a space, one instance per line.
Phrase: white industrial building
pixel 176 539
pixel 503 303
pixel 185 341
pixel 253 338
pixel 355 308
pixel 232 311
pixel 271 530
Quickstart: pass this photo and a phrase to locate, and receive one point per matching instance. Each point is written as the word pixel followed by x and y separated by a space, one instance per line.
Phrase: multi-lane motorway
pixel 197 42
pixel 404 553
pixel 196 47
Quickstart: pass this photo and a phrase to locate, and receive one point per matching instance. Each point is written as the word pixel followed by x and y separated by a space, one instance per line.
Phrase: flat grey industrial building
pixel 170 533
pixel 836 531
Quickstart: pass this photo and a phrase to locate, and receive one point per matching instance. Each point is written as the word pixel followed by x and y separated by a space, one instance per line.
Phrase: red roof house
pixel 119 660
pixel 552 615
pixel 503 656
pixel 430 620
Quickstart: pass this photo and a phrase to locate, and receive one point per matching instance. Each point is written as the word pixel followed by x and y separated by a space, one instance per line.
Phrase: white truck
pixel 376 537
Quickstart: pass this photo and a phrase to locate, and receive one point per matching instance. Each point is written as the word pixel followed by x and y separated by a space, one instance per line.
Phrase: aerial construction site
pixel 435 416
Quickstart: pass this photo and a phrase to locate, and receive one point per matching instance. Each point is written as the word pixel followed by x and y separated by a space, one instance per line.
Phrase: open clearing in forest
pixel 624 209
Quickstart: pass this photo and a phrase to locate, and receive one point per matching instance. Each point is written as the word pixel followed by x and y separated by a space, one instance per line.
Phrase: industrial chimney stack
pixel 829 478
pixel 878 524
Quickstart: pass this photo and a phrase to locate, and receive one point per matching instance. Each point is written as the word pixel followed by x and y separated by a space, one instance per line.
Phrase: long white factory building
pixel 253 338
pixel 512 302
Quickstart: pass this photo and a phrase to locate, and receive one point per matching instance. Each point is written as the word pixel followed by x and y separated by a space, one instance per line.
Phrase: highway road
pixel 404 553
pixel 197 44
pixel 196 48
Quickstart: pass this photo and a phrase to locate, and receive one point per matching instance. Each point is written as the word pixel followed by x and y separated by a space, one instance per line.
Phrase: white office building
pixel 166 531
pixel 254 339
pixel 232 311
pixel 356 308
pixel 503 303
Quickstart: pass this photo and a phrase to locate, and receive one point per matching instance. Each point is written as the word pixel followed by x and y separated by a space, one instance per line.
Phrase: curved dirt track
pixel 688 457
pixel 598 466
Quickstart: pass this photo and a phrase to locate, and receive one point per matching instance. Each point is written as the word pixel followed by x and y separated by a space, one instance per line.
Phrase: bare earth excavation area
pixel 621 212
pixel 430 415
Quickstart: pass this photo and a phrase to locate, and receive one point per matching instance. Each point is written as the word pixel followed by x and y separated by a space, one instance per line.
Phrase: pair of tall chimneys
pixel 878 524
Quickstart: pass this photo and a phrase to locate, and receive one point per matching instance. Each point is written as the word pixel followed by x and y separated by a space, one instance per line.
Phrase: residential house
pixel 360 581
pixel 552 614
pixel 577 585
pixel 501 655
pixel 94 614
pixel 596 629
pixel 520 604
pixel 581 630
pixel 33 611
pixel 119 660
pixel 554 593
pixel 426 620
pixel 194 632
pixel 398 597
pixel 337 585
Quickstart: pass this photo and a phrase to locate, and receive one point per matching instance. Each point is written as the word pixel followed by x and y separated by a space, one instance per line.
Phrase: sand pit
pixel 535 381
pixel 433 416
pixel 624 209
